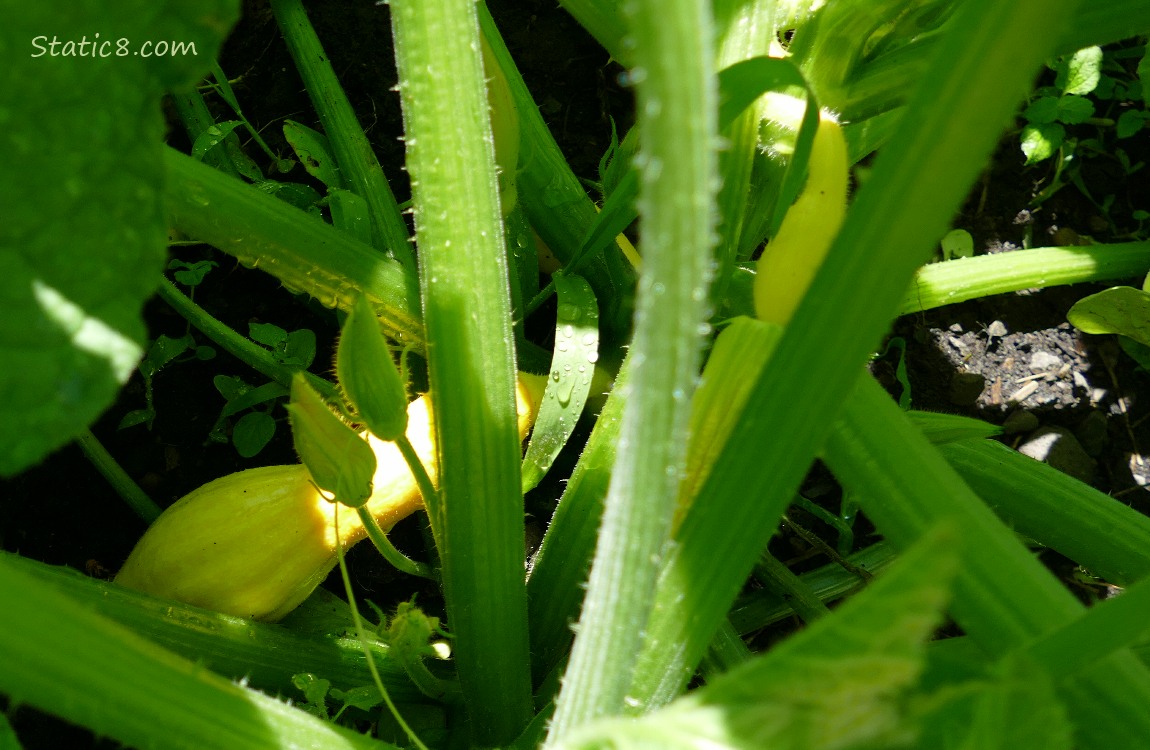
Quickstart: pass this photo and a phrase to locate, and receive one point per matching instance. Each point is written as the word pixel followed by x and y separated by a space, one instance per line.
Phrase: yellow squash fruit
pixel 789 262
pixel 257 542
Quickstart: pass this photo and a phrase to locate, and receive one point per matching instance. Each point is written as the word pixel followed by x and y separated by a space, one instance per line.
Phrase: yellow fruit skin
pixel 253 544
pixel 257 542
pixel 789 262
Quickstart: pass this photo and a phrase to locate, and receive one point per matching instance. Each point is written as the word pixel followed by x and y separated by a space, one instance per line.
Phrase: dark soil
pixel 1014 360
pixel 1010 359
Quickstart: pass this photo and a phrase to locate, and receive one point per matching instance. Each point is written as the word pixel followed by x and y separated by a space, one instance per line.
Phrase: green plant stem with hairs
pixel 467 313
pixel 677 98
pixel 655 575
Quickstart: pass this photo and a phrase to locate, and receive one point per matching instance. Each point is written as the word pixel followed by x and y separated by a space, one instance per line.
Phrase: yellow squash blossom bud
pixel 257 542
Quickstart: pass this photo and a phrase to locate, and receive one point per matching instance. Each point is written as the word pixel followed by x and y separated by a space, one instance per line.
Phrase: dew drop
pixel 564 395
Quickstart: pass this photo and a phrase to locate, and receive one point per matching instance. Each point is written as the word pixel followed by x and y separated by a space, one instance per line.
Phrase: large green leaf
pixel 82 241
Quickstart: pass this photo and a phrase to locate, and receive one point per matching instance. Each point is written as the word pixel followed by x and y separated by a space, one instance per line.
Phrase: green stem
pixel 938 284
pixel 954 281
pixel 241 347
pixel 677 102
pixel 555 584
pixel 361 631
pixel 1098 532
pixel 779 579
pixel 265 656
pixel 745 30
pixel 131 492
pixel 352 150
pixel 985 62
pixel 556 202
pixel 63 658
pixel 603 19
pixel 830 582
pixel 471 363
pixel 427 489
pixel 398 560
pixel 194 113
pixel 1106 627
pixel 223 87
pixel 428 684
pixel 301 251
pixel 727 651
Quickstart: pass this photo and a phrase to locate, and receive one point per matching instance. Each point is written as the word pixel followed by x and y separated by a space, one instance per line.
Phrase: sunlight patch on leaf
pixel 86 332
pixel 83 240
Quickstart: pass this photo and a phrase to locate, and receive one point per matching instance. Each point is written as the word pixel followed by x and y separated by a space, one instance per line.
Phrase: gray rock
pixel 965 388
pixel 1058 447
pixel 1020 421
pixel 1093 433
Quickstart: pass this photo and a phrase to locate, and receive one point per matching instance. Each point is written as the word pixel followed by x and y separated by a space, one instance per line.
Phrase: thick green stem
pixel 963 279
pixel 265 655
pixel 471 363
pixel 677 104
pixel 983 67
pixel 61 657
pixel 559 570
pixel 555 201
pixel 1099 532
pixel 301 251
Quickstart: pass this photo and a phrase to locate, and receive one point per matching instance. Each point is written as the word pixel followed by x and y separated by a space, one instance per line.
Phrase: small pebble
pixel 1028 388
pixel 1140 469
pixel 1044 361
pixel 958 345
